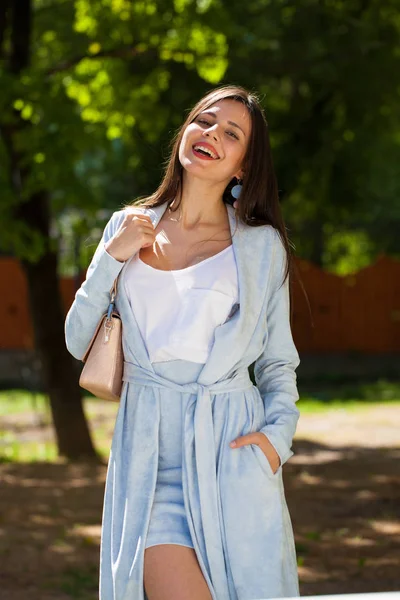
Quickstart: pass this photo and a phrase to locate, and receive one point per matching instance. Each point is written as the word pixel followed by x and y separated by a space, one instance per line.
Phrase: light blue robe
pixel 235 504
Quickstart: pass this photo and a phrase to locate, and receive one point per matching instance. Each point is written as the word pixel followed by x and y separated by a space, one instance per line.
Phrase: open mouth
pixel 204 152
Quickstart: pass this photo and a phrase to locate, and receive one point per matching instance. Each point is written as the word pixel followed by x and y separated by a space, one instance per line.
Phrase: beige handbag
pixel 104 359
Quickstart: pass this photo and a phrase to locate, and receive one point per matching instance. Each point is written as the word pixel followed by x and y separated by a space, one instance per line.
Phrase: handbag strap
pixel 113 295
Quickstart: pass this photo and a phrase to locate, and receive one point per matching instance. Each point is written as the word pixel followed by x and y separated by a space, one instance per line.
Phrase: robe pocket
pixel 211 309
pixel 264 462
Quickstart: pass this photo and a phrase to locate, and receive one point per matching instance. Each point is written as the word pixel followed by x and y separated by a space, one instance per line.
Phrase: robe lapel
pixel 252 247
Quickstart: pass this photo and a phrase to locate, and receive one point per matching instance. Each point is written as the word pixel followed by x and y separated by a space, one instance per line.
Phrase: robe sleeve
pixel 93 297
pixel 275 368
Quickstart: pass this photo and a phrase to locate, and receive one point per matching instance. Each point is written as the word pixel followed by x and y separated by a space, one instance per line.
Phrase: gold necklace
pixel 171 219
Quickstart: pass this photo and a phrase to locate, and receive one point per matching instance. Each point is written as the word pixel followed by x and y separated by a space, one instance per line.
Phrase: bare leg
pixel 172 572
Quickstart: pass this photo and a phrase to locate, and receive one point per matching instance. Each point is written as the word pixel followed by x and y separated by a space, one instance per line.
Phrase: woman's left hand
pixel 263 442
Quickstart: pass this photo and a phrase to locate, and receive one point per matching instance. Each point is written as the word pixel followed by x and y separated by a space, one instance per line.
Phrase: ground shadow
pixel 344 503
pixel 345 508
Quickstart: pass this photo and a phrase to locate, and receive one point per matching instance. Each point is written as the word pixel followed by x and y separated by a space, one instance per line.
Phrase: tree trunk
pixel 59 374
pixel 58 366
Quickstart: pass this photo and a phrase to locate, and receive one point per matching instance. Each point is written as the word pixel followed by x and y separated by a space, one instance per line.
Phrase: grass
pixel 27 434
pixel 18 401
pixel 349 397
pixel 28 415
pixel 11 450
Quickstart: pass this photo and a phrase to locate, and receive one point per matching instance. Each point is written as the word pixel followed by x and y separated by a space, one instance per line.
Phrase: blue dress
pixel 168 520
pixel 177 312
pixel 235 507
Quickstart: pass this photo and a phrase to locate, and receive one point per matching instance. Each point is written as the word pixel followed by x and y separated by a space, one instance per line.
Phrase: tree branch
pixel 122 52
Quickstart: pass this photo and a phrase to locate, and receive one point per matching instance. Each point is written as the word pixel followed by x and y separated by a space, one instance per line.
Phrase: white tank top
pixel 178 311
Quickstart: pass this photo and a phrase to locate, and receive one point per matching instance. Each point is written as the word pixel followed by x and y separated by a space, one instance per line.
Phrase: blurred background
pixel 91 94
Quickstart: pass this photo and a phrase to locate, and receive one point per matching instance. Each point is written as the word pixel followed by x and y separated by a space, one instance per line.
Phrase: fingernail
pixel 232 444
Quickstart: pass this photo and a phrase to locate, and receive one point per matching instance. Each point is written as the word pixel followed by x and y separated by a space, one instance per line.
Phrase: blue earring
pixel 237 189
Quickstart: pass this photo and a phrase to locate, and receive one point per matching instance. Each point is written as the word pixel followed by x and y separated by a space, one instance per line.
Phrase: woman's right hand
pixel 135 232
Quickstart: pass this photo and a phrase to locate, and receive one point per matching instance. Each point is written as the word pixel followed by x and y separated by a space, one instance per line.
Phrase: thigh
pixel 172 571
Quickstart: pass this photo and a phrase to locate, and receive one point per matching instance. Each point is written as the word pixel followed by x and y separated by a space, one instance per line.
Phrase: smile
pixel 204 151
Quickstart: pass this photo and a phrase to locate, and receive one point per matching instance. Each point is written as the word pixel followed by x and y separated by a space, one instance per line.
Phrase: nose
pixel 212 131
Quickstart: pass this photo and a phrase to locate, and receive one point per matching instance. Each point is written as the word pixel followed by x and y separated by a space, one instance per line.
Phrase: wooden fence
pixel 358 312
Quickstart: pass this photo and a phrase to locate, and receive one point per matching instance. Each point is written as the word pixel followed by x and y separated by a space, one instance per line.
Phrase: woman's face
pixel 213 146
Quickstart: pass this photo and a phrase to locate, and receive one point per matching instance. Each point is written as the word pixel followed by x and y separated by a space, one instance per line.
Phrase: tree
pixel 74 88
pixel 330 74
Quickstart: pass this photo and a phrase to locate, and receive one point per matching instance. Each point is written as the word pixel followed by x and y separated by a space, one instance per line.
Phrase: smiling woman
pixel 203 293
pixel 221 134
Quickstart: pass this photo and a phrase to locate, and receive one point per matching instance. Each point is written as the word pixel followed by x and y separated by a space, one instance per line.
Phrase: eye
pixel 229 133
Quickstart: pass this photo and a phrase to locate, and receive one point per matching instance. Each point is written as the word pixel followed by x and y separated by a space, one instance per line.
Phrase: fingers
pixel 258 438
pixel 138 219
pixel 243 440
pixel 138 216
pixel 144 218
pixel 147 228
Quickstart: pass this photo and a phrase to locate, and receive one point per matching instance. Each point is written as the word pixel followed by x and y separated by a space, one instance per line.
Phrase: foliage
pixel 330 75
pixel 93 100
pixel 110 81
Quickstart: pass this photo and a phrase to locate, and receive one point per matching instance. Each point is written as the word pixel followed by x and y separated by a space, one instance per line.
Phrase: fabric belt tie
pixel 203 448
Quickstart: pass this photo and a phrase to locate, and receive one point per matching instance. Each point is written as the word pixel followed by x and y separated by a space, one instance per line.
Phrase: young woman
pixel 203 293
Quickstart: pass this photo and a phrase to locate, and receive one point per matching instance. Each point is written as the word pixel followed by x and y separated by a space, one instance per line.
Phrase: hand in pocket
pixel 261 440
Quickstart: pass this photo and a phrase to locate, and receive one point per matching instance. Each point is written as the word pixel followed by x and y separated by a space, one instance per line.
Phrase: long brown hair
pixel 259 200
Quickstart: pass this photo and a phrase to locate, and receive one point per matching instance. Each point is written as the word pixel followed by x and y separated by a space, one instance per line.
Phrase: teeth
pixel 209 152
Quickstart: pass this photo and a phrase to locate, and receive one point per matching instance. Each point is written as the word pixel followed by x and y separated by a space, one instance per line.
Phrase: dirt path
pixel 343 491
pixel 342 488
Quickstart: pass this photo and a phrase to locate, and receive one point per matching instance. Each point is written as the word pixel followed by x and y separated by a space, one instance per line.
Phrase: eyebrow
pixel 210 112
